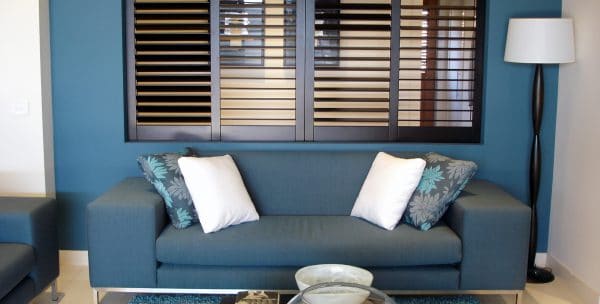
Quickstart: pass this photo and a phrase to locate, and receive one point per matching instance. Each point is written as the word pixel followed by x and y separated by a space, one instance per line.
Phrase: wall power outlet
pixel 19 108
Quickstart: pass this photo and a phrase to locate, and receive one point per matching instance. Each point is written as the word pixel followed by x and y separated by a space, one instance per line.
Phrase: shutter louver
pixel 172 63
pixel 438 64
pixel 258 69
pixel 351 70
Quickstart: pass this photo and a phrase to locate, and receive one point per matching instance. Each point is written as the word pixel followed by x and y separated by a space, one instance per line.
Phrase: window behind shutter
pixel 170 57
pixel 258 69
pixel 305 70
pixel 351 70
pixel 439 72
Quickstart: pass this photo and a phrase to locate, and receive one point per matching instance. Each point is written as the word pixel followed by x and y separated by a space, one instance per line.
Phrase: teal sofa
pixel 28 248
pixel 304 199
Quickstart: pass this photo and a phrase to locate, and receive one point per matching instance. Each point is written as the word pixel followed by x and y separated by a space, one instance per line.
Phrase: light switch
pixel 19 108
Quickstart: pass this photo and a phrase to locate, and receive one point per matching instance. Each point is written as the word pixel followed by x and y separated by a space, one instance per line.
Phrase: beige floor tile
pixel 556 292
pixel 494 299
pixel 69 272
pixel 116 298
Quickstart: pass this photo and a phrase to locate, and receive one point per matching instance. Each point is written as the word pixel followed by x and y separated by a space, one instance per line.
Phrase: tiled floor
pixel 74 286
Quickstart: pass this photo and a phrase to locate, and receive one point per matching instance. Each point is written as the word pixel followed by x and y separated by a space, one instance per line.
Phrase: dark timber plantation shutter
pixel 258 69
pixel 351 70
pixel 438 72
pixel 172 68
pixel 305 70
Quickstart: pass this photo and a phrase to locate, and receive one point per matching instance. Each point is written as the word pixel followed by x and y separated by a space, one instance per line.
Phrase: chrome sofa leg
pixel 95 296
pixel 53 292
pixel 519 297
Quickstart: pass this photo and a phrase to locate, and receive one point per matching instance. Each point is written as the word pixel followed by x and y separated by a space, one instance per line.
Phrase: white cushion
pixel 387 189
pixel 218 192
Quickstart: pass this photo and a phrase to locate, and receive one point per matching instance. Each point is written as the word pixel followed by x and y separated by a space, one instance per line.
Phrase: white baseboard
pixel 541 259
pixel 586 293
pixel 73 257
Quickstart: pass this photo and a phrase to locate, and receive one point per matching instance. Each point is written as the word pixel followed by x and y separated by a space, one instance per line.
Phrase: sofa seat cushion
pixel 16 261
pixel 305 240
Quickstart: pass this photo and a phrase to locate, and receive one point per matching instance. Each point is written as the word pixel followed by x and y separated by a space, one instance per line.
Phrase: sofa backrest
pixel 305 183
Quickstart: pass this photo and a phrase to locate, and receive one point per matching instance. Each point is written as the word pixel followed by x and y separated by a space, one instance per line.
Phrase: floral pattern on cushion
pixel 162 171
pixel 442 181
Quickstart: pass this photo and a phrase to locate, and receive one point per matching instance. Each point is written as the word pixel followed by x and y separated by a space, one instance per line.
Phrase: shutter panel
pixel 171 69
pixel 258 69
pixel 440 70
pixel 351 70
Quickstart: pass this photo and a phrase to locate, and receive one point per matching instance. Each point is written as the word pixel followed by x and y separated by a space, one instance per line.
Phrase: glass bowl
pixel 340 293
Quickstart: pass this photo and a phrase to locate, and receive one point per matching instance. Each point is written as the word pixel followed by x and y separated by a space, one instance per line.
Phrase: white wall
pixel 26 157
pixel 575 223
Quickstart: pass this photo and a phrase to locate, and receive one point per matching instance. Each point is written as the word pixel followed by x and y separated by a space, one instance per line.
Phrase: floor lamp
pixel 538 41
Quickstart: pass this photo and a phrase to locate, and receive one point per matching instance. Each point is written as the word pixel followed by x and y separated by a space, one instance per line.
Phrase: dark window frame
pixel 304 129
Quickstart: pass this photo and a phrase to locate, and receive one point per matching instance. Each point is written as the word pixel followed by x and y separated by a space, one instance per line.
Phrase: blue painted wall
pixel 88 94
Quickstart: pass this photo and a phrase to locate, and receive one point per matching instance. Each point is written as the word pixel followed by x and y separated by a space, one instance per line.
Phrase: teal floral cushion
pixel 442 181
pixel 162 171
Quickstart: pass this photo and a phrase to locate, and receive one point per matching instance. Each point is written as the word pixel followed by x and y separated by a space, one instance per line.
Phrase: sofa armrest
pixel 123 225
pixel 33 221
pixel 494 230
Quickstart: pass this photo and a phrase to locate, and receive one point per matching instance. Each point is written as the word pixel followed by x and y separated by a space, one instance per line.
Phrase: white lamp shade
pixel 540 40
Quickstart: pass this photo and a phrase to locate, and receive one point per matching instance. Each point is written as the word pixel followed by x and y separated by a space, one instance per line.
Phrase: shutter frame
pixel 168 70
pixel 433 126
pixel 351 67
pixel 306 107
pixel 248 74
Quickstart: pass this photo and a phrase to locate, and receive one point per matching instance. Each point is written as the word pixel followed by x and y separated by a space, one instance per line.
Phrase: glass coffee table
pixel 331 293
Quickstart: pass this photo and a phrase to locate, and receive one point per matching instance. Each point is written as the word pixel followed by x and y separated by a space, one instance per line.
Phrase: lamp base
pixel 539 275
